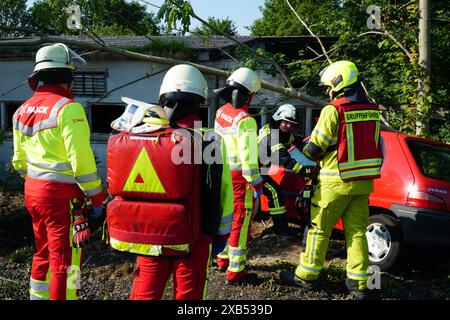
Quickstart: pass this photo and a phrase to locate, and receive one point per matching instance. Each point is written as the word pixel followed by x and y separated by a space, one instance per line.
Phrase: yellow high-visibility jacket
pixel 52 146
pixel 239 131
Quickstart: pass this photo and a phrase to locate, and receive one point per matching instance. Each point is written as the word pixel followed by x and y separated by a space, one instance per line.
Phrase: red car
pixel 411 200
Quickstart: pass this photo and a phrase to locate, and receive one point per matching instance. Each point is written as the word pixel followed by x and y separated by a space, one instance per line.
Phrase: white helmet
pixel 247 78
pixel 184 78
pixel 56 56
pixel 285 112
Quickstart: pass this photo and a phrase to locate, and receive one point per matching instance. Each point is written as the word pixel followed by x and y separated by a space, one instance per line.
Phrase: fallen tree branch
pixel 290 92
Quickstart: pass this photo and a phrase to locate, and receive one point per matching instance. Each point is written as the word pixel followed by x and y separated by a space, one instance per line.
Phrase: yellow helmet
pixel 339 75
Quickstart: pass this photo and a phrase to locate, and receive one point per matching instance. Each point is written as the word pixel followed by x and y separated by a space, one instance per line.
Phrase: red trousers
pixel 189 274
pixel 235 255
pixel 55 270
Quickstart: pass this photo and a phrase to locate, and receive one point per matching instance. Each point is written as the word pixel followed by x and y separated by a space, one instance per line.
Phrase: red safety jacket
pixel 359 151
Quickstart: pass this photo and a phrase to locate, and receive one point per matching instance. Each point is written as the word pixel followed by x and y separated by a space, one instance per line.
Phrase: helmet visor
pixel 74 57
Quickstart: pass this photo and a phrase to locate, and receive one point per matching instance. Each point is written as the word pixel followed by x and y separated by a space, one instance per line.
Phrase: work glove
pixel 80 226
pixel 81 231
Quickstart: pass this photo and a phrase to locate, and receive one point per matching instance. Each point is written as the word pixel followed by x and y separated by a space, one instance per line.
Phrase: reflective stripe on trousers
pixel 56 264
pixel 39 290
pixel 327 207
pixel 240 230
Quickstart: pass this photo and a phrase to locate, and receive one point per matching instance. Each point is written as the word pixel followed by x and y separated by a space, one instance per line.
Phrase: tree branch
pixel 290 92
pixel 325 53
pixel 390 36
pixel 258 54
pixel 310 32
pixel 385 122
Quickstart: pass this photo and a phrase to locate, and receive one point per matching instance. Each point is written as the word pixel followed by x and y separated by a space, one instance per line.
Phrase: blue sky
pixel 242 12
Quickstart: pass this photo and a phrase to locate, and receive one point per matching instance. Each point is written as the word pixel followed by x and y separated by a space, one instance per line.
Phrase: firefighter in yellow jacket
pixel 52 152
pixel 239 132
pixel 346 139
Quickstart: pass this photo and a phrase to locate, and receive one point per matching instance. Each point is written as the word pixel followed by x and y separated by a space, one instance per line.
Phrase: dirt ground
pixel 107 274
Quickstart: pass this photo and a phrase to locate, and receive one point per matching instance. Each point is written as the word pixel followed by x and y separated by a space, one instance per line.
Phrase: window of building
pixel 9 108
pixel 101 116
pixel 90 82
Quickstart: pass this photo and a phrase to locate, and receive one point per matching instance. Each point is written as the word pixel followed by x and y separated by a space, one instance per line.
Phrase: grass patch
pixel 22 255
pixel 10 290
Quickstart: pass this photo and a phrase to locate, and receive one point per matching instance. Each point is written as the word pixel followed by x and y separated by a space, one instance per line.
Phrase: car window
pixel 433 160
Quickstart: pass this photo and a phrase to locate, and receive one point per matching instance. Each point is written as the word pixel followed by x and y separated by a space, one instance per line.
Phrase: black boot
pixel 280 226
pixel 289 278
pixel 356 293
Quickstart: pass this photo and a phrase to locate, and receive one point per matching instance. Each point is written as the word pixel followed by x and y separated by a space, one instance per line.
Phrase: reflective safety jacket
pixel 358 140
pixel 274 148
pixel 239 131
pixel 52 147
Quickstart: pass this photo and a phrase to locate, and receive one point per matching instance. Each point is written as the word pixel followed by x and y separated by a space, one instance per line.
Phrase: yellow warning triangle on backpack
pixel 143 177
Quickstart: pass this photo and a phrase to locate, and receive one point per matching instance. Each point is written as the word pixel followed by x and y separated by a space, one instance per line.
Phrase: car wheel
pixel 384 239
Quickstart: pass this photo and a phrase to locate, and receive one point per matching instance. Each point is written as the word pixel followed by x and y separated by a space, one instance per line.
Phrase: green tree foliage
pixel 389 74
pixel 172 11
pixel 226 26
pixel 278 19
pixel 14 17
pixel 103 17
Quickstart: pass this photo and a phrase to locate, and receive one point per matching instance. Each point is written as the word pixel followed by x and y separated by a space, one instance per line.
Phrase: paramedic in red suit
pixel 52 152
pixel 183 90
pixel 239 132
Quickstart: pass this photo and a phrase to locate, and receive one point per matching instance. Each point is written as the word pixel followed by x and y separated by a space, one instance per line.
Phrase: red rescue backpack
pixel 157 199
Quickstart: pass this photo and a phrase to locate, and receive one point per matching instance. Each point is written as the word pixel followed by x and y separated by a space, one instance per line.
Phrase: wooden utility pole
pixel 424 63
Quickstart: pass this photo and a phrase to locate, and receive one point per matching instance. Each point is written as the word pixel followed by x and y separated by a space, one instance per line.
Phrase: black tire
pixel 385 241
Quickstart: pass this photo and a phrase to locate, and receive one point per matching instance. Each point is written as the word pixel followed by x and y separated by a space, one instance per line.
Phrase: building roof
pixel 290 45
pixel 195 42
